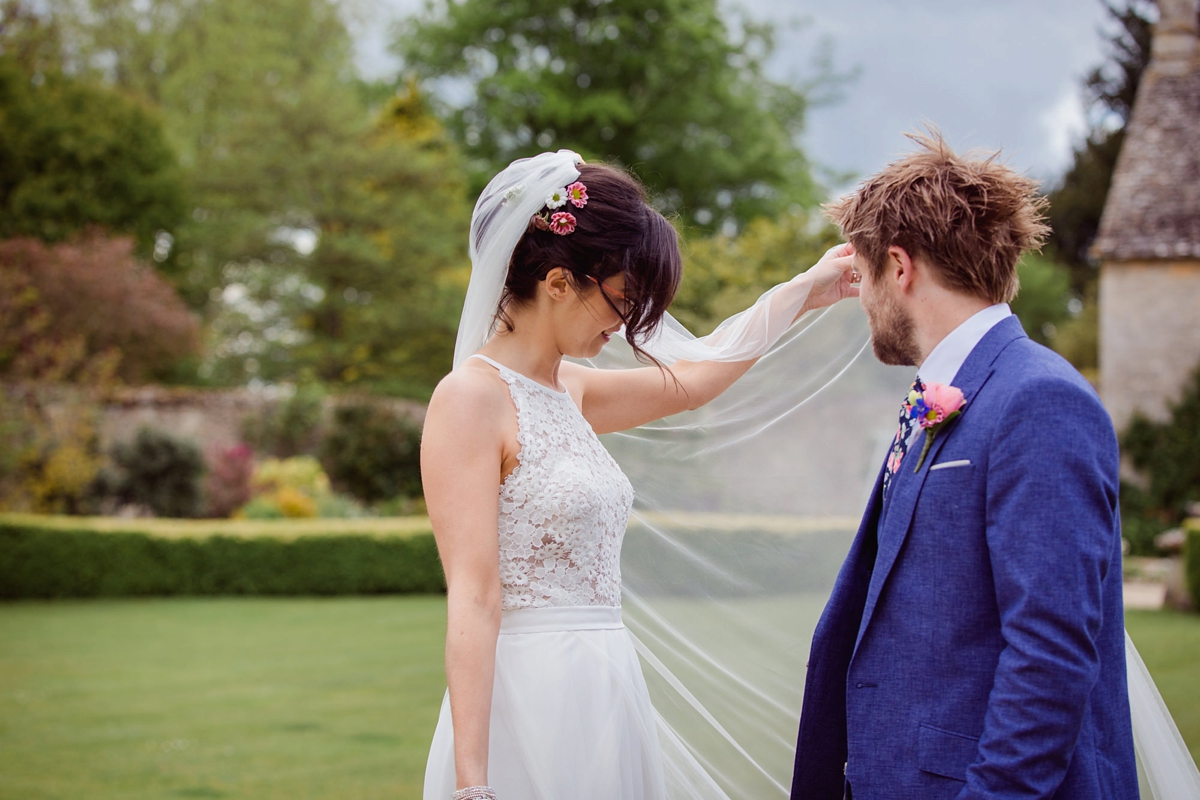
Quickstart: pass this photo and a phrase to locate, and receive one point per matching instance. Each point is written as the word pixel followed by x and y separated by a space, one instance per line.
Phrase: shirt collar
pixel 943 364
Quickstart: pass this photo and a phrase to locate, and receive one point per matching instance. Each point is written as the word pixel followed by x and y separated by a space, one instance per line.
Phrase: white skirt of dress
pixel 571 715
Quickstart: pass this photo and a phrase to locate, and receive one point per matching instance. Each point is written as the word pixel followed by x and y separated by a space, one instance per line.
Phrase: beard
pixel 893 333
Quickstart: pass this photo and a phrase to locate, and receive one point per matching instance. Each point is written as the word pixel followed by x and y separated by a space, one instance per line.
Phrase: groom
pixel 973 646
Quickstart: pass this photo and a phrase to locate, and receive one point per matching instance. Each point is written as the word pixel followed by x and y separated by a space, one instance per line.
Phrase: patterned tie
pixel 900 443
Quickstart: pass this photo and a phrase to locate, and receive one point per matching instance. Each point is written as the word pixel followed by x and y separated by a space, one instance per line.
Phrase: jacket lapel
pixel 896 517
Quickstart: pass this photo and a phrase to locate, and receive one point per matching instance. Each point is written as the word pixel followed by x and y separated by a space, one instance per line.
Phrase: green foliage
pixel 1191 555
pixel 325 224
pixel 1078 340
pixel 1077 202
pixel 74 154
pixel 390 263
pixel 302 473
pixel 326 228
pixel 1141 521
pixel 29 38
pixel 293 504
pixel 50 459
pixel 58 562
pixel 1167 454
pixel 665 87
pixel 338 506
pixel 161 472
pixel 726 274
pixel 373 452
pixel 289 428
pixel 227 486
pixel 86 311
pixel 286 503
pixel 1042 303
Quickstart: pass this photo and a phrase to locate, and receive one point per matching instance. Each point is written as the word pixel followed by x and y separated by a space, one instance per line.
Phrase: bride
pixel 546 698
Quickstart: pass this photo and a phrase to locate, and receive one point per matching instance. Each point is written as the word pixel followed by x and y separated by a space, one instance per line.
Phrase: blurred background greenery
pixel 207 194
pixel 207 210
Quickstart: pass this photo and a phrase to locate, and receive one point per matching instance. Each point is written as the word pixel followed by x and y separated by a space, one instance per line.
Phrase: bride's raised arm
pixel 616 400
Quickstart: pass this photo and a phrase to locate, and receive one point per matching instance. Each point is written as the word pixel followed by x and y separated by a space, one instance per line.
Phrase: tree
pixel 378 301
pixel 74 318
pixel 27 37
pixel 664 87
pixel 93 298
pixel 74 154
pixel 326 234
pixel 726 274
pixel 1044 301
pixel 373 452
pixel 1110 90
pixel 391 264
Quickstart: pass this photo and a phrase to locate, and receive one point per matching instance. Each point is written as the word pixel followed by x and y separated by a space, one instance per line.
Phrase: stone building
pixel 1149 238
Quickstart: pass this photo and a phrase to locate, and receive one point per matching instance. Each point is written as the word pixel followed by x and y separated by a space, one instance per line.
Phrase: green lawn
pixel 250 699
pixel 292 698
pixel 1169 643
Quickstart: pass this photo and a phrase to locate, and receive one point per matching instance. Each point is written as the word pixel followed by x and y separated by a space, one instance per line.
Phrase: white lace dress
pixel 571 716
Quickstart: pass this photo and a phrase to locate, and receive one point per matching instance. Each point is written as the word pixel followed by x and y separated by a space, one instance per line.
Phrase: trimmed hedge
pixel 1191 555
pixel 80 557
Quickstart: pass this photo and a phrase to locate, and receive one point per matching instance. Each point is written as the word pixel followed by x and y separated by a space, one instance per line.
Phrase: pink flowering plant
pixel 933 409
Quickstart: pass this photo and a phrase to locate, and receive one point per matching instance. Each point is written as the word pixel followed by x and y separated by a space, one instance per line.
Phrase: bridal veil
pixel 744 512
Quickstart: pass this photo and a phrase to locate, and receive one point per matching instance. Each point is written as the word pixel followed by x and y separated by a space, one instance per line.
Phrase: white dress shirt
pixel 944 362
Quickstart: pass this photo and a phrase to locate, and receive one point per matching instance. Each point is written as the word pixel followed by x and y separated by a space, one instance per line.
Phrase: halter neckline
pixel 526 378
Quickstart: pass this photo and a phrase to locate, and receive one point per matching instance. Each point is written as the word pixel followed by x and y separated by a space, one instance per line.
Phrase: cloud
pixel 999 75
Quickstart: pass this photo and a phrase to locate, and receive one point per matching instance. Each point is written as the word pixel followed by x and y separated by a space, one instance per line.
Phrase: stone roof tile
pixel 1153 207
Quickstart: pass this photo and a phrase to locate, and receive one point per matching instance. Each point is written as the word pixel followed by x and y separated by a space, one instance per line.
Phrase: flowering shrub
pixel 161 472
pixel 302 473
pixel 294 503
pixel 373 453
pixel 89 297
pixel 227 487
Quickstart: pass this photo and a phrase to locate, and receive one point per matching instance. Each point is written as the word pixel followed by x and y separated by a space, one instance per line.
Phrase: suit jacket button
pixel 858 686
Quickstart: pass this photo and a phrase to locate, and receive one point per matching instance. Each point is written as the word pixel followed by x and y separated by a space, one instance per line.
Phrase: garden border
pixel 80 557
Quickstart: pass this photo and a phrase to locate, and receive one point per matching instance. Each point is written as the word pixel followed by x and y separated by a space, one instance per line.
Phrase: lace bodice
pixel 563 510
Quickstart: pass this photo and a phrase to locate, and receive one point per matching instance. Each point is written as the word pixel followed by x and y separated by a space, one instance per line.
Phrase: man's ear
pixel 900 268
pixel 558 285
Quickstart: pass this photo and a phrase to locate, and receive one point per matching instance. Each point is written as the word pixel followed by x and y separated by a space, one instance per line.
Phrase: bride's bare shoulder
pixel 474 394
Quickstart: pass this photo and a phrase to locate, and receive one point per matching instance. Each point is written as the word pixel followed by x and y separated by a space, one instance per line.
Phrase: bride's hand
pixel 833 278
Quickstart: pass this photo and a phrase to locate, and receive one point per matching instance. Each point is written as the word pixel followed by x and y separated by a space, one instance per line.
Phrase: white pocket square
pixel 949 464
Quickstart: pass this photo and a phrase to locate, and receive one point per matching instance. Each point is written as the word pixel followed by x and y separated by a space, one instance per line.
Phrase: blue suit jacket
pixel 973 646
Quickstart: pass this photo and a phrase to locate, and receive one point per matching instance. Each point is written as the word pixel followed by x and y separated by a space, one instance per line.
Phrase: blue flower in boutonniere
pixel 933 409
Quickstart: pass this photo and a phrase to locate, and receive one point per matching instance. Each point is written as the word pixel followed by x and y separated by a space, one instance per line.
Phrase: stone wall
pixel 210 418
pixel 1149 334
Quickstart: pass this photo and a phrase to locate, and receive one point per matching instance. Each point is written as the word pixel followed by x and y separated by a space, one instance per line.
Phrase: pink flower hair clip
pixel 561 222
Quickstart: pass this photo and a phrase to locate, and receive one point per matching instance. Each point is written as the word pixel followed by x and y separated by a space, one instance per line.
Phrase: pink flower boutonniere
pixel 933 409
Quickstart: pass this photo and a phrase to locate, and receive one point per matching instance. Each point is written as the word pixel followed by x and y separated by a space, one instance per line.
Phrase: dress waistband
pixel 561 618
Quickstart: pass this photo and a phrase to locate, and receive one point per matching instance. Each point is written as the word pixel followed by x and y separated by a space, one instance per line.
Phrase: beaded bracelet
pixel 474 793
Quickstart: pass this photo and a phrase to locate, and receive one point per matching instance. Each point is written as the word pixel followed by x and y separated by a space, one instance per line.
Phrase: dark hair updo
pixel 616 233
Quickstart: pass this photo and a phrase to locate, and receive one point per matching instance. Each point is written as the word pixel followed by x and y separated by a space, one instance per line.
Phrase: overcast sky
pixel 1003 74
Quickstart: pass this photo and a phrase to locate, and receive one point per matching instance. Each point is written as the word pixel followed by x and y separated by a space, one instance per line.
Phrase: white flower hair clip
pixel 561 222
